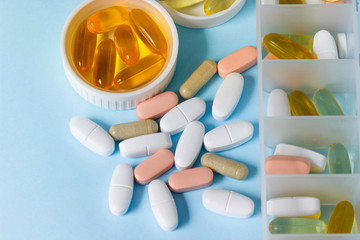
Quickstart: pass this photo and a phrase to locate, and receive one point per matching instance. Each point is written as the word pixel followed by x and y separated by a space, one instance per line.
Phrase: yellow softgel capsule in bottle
pixel 107 19
pixel 126 44
pixel 301 105
pixel 342 218
pixel 215 6
pixel 178 4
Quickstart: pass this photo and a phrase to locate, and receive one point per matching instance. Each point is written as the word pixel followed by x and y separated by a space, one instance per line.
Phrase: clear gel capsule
pixel 215 6
pixel 301 105
pixel 107 19
pixel 104 67
pixel 84 48
pixel 141 73
pixel 178 4
pixel 285 48
pixel 338 159
pixel 133 129
pixel 126 44
pixel 292 2
pixel 326 103
pixel 342 218
pixel 297 226
pixel 148 31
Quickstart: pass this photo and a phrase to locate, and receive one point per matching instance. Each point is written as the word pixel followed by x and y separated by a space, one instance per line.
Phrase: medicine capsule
pixel 104 67
pixel 198 79
pixel 141 73
pixel 107 19
pixel 304 40
pixel 133 129
pixel 148 31
pixel 178 4
pixel 292 2
pixel 285 48
pixel 338 159
pixel 126 44
pixel 215 6
pixel 301 105
pixel 224 166
pixel 342 218
pixel 297 225
pixel 326 103
pixel 84 48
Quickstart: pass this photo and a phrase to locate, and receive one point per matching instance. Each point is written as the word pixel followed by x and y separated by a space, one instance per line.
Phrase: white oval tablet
pixel 92 136
pixel 176 119
pixel 145 145
pixel 189 145
pixel 278 104
pixel 227 96
pixel 293 206
pixel 228 203
pixel 121 189
pixel 163 205
pixel 228 136
pixel 324 45
pixel 317 160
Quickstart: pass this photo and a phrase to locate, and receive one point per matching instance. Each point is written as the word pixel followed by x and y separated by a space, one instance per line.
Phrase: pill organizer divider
pixel 341 77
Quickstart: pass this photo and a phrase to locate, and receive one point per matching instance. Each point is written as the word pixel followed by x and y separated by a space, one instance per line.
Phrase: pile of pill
pixel 299 104
pixel 209 6
pixel 301 215
pixel 302 2
pixel 141 138
pixel 320 46
pixel 119 49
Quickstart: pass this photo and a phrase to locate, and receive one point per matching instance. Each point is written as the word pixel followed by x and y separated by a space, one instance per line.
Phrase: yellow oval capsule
pixel 104 67
pixel 342 218
pixel 301 105
pixel 84 48
pixel 215 6
pixel 285 48
pixel 148 31
pixel 141 73
pixel 126 44
pixel 133 129
pixel 178 4
pixel 107 19
pixel 292 2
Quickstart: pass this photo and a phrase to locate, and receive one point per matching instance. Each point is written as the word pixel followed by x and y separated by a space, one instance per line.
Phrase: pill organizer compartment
pixel 341 77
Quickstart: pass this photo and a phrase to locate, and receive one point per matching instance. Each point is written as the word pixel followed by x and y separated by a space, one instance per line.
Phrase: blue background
pixel 51 187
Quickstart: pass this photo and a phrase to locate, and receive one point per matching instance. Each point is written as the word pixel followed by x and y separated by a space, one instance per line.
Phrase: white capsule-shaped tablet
pixel 121 189
pixel 228 136
pixel 145 145
pixel 92 136
pixel 227 96
pixel 163 205
pixel 177 118
pixel 228 203
pixel 189 145
pixel 324 45
pixel 317 160
pixel 278 104
pixel 293 206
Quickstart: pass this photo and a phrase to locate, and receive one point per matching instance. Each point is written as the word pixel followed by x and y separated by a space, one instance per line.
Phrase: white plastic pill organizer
pixel 341 77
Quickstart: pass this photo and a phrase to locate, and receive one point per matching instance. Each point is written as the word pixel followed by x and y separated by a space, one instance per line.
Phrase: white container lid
pixel 205 21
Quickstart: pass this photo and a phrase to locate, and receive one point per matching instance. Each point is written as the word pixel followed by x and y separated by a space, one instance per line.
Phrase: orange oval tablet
pixel 283 164
pixel 238 61
pixel 154 166
pixel 157 106
pixel 190 179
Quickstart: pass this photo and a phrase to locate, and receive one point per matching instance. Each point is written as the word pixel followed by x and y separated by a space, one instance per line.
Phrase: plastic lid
pixel 342 46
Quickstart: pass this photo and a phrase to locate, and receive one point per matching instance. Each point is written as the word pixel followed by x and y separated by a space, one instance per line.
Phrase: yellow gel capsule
pixel 291 2
pixel 141 73
pixel 107 19
pixel 317 216
pixel 104 67
pixel 84 48
pixel 301 105
pixel 297 226
pixel 304 40
pixel 178 4
pixel 285 48
pixel 148 31
pixel 342 218
pixel 215 6
pixel 126 44
pixel 338 159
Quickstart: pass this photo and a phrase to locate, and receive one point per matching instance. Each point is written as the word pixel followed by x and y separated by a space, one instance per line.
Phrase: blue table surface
pixel 51 187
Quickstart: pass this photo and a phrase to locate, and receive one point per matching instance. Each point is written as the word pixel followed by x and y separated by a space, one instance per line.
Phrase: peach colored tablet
pixel 270 56
pixel 283 164
pixel 190 179
pixel 157 106
pixel 154 166
pixel 238 61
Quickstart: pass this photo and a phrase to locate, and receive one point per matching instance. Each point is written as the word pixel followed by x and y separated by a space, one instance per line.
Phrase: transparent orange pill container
pixel 115 99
